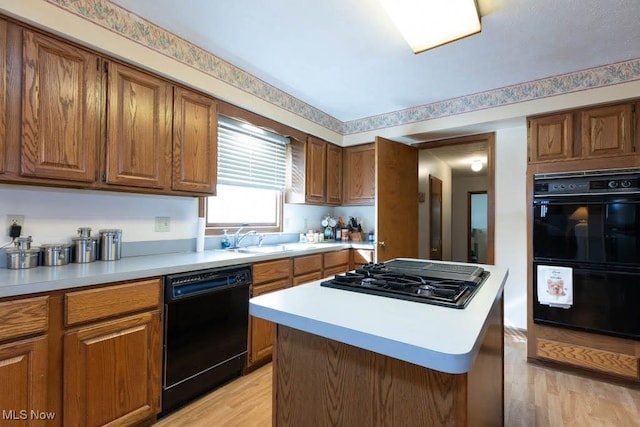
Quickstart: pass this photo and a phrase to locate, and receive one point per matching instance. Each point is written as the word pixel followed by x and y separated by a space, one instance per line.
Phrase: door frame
pixel 490 139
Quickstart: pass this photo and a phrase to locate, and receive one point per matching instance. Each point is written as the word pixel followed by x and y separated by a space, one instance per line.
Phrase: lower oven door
pixel 605 301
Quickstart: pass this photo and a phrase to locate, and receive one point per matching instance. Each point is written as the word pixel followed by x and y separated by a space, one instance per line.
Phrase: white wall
pixel 460 187
pixel 511 221
pixel 428 164
pixel 365 215
pixel 54 215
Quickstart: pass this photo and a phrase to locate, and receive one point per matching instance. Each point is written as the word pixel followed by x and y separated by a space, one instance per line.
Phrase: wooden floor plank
pixel 535 395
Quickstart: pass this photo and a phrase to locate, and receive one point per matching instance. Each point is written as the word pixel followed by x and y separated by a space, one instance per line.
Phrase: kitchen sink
pixel 271 249
pixel 263 249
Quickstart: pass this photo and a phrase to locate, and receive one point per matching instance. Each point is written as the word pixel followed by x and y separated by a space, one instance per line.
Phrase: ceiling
pixel 346 59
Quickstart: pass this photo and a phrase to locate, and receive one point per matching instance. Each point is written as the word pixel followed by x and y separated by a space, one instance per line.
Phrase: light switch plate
pixel 163 223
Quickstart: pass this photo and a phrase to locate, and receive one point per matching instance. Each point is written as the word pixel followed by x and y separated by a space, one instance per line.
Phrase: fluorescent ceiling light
pixel 425 24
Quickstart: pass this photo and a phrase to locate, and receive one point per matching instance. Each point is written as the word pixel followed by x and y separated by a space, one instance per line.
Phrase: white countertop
pixel 46 279
pixel 440 338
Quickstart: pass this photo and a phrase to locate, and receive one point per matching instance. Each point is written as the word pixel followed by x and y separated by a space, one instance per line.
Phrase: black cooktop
pixel 449 285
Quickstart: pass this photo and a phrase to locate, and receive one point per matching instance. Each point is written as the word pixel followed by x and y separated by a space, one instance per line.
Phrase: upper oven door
pixel 593 229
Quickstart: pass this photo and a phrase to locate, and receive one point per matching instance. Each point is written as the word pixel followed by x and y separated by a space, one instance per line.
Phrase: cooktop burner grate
pixel 413 281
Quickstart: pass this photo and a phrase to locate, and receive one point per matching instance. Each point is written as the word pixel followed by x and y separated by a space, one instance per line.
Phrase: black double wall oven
pixel 590 222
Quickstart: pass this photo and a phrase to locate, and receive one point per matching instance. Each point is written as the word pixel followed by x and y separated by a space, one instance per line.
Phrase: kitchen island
pixel 352 359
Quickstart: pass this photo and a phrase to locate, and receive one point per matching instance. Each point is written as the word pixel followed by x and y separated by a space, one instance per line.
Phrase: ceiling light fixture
pixel 426 24
pixel 476 165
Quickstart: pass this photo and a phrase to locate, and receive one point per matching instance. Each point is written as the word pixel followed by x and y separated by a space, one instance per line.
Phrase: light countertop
pixel 46 279
pixel 440 338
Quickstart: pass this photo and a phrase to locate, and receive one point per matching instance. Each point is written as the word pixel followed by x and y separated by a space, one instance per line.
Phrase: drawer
pixel 270 287
pixel 307 264
pixel 590 358
pixel 271 270
pixel 110 301
pixel 332 259
pixel 23 317
pixel 306 278
pixel 338 269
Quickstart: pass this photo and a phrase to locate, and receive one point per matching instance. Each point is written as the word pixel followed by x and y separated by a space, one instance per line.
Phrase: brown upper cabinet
pixel 195 142
pixel 334 174
pixel 3 94
pixel 60 110
pixel 551 137
pixel 139 112
pixel 70 117
pixel 586 133
pixel 607 130
pixel 359 175
pixel 315 172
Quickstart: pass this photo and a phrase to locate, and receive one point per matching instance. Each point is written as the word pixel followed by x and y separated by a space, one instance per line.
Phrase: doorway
pixel 435 211
pixel 477 226
pixel 449 160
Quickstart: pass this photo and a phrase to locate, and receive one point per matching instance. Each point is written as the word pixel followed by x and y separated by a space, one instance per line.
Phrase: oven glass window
pixel 622 233
pixel 596 232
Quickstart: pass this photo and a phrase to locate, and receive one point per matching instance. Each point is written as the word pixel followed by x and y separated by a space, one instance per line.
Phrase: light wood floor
pixel 534 396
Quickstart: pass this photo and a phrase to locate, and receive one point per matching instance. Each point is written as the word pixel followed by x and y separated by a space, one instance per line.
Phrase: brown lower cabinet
pixel 23 358
pixel 307 268
pixel 336 262
pixel 87 357
pixel 269 276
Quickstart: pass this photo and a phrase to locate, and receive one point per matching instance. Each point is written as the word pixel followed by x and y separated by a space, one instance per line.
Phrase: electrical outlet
pixel 15 220
pixel 163 223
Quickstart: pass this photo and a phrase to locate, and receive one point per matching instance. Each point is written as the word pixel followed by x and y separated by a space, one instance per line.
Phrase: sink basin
pixel 271 249
pixel 263 249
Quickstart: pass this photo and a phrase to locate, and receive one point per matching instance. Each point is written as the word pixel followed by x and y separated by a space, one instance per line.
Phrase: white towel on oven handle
pixel 555 286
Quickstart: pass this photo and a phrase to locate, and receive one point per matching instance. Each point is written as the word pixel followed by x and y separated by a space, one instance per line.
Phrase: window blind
pixel 249 156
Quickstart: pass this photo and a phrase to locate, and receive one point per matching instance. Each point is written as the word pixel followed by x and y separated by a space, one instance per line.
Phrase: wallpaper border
pixel 119 20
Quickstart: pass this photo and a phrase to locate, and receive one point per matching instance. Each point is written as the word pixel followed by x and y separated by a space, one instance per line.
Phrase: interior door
pixel 396 200
pixel 435 210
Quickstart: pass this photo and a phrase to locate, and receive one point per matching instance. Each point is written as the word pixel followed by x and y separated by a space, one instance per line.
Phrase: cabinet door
pixel 359 175
pixel 260 330
pixel 551 137
pixel 60 110
pixel 112 371
pixel 195 142
pixel 139 112
pixel 23 380
pixel 316 169
pixel 607 130
pixel 334 174
pixel 3 94
pixel 359 257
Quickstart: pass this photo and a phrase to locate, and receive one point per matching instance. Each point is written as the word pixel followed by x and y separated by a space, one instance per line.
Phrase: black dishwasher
pixel 205 331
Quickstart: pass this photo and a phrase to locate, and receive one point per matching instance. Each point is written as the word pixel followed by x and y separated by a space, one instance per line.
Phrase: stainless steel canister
pixel 54 254
pixel 22 258
pixel 84 232
pixel 23 243
pixel 110 244
pixel 85 249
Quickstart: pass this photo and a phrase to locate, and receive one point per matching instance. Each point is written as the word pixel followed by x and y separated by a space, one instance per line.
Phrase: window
pixel 251 178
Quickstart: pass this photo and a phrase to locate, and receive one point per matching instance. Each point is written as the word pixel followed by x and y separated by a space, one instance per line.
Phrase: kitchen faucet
pixel 238 238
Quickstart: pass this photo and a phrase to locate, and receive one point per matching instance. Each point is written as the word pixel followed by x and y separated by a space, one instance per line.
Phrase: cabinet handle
pixel 381 244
